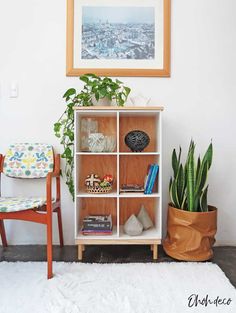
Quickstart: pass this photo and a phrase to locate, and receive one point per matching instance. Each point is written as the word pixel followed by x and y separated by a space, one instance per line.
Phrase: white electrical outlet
pixel 13 90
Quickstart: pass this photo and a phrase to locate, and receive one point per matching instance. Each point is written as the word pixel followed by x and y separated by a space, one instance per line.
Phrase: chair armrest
pixel 56 173
pixel 1 163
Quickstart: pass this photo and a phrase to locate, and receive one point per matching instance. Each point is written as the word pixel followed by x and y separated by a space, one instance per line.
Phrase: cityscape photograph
pixel 118 33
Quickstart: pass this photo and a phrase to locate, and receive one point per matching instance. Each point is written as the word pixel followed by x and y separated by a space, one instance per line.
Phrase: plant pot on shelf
pixel 190 235
pixel 101 102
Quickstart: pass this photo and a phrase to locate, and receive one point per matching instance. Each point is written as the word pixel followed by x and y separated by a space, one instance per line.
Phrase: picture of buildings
pixel 118 33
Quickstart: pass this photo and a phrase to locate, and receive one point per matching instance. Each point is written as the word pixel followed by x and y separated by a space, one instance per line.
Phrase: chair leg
pixel 3 234
pixel 60 227
pixel 49 245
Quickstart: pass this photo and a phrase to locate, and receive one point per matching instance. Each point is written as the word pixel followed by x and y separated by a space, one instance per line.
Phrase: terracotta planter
pixel 190 235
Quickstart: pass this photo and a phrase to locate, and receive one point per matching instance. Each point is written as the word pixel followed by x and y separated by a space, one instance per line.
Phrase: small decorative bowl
pixel 137 140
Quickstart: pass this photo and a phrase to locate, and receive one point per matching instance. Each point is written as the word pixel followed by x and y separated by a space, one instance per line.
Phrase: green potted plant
pixel 95 89
pixel 192 223
pixel 99 91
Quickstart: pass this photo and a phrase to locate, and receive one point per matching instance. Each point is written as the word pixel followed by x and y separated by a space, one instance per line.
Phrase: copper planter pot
pixel 190 235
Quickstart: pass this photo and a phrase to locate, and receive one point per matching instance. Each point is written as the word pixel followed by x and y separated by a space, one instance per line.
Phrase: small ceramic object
pixel 92 180
pixel 96 142
pixel 144 218
pixel 133 227
pixel 140 100
pixel 137 140
pixel 110 143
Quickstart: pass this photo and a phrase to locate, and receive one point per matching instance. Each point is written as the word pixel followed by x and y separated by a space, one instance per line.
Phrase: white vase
pixel 101 102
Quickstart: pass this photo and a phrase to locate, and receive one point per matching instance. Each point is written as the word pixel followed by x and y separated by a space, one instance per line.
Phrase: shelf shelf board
pixel 105 237
pixel 138 195
pixel 146 234
pixel 139 153
pixel 117 108
pixel 96 153
pixel 83 194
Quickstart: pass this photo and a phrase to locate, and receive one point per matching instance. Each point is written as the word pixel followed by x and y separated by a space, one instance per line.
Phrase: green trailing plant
pixel 187 188
pixel 64 128
pixel 100 88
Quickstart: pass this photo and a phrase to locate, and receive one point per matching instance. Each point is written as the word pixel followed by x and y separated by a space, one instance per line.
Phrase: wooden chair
pixel 32 161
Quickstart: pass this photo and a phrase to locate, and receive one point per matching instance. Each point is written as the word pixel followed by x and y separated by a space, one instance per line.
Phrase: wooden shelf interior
pixel 148 123
pixel 107 125
pixel 129 206
pixel 96 164
pixel 134 168
pixel 97 206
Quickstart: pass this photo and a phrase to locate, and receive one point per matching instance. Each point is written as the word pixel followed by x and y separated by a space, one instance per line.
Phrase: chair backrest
pixel 28 160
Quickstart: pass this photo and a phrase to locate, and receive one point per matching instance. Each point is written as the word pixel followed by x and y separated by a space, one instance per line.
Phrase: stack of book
pixel 151 178
pixel 97 225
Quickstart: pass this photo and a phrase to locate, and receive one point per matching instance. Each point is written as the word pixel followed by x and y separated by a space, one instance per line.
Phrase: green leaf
pixel 180 183
pixel 208 155
pixel 57 127
pixel 203 200
pixel 190 179
pixel 175 195
pixel 174 163
pixel 69 93
pixel 97 96
pixel 170 184
pixel 84 79
pixel 102 93
pixel 202 178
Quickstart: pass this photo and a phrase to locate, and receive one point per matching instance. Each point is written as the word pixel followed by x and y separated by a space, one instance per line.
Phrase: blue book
pixel 149 177
pixel 153 178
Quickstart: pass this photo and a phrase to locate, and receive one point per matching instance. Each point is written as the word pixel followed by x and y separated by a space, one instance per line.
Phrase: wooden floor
pixel 225 256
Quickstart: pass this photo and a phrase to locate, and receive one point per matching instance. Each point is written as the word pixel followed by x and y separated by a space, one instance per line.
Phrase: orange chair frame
pixel 34 215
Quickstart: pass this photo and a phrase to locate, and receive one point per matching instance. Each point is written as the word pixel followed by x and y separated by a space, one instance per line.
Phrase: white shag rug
pixel 113 288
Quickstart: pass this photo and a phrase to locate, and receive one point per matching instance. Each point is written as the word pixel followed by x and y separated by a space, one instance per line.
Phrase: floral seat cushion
pixel 14 204
pixel 27 160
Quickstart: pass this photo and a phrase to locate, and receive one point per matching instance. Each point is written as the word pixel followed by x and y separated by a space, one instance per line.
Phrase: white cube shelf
pixel 126 167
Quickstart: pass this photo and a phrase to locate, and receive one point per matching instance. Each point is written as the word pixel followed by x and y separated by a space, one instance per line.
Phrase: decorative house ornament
pixel 92 180
pixel 96 142
pixel 133 227
pixel 95 185
pixel 137 140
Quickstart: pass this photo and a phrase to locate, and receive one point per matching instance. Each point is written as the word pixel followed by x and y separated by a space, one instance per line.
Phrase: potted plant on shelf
pixel 192 223
pixel 94 90
pixel 99 91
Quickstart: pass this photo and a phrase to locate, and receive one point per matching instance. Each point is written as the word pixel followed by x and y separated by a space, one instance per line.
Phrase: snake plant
pixel 187 188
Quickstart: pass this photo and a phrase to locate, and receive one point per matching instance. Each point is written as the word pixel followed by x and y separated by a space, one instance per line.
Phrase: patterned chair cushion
pixel 25 160
pixel 14 204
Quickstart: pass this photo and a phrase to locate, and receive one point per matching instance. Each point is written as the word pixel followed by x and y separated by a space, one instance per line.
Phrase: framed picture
pixel 118 37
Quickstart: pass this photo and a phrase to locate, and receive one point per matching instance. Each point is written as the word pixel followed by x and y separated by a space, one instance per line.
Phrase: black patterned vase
pixel 137 140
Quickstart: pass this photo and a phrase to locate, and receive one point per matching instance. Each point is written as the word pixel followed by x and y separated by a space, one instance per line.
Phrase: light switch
pixel 13 90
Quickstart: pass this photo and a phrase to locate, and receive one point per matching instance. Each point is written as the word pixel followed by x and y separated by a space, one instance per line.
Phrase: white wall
pixel 199 98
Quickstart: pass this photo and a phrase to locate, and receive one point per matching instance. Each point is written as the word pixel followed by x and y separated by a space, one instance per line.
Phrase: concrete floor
pixel 225 257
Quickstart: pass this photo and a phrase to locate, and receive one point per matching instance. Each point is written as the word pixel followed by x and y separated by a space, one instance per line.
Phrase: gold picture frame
pixel 76 70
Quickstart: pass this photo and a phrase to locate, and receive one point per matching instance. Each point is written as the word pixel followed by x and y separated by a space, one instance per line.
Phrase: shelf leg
pixel 83 247
pixel 80 252
pixel 155 251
